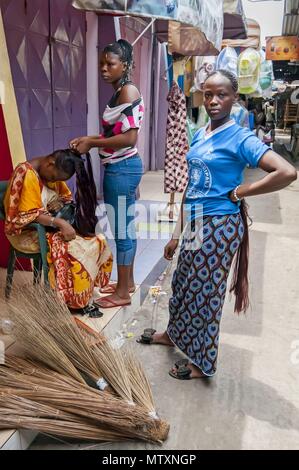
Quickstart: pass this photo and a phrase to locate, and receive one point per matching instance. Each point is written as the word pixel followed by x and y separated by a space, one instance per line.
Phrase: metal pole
pixel 144 31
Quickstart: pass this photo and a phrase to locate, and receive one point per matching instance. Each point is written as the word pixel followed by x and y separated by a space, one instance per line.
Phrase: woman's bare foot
pixel 196 373
pixel 111 288
pixel 162 338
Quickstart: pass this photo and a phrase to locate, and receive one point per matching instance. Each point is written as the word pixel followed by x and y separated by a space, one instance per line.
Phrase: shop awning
pixel 206 16
pixel 253 36
pixel 234 20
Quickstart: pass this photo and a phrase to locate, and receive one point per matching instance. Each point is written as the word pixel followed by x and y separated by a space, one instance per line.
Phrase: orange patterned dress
pixel 75 267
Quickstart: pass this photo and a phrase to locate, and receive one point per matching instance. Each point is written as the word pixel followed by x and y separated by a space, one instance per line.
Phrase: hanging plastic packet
pixel 204 66
pixel 266 76
pixel 228 60
pixel 249 71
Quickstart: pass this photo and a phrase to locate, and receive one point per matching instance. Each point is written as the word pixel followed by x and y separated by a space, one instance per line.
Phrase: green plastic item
pixel 249 71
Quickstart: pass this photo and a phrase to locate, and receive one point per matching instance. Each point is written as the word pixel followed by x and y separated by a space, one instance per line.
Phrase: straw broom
pixel 51 390
pixel 139 380
pixel 17 412
pixel 110 361
pixel 141 389
pixel 113 366
pixel 131 369
pixel 38 344
pixel 62 393
pixel 44 306
pixel 105 355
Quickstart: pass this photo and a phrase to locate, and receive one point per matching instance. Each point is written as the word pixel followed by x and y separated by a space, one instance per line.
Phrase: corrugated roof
pixel 290 25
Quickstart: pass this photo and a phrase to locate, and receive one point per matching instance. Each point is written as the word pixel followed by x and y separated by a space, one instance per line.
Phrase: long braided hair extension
pixel 71 162
pixel 240 283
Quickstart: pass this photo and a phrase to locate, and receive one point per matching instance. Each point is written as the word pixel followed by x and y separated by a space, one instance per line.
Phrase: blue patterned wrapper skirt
pixel 199 287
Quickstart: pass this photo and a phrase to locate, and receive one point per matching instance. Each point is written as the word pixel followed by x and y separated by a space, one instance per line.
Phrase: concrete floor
pixel 253 401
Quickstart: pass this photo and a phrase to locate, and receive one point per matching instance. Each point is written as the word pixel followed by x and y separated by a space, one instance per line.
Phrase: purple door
pixel 27 33
pixel 68 30
pixel 46 45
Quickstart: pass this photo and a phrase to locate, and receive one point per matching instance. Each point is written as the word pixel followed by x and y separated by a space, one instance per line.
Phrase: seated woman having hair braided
pixel 78 259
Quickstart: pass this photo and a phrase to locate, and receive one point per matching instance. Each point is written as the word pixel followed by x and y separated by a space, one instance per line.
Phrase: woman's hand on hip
pixel 81 144
pixel 170 249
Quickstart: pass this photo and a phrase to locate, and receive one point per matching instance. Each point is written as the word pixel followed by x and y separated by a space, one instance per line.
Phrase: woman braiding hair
pixel 118 151
pixel 215 194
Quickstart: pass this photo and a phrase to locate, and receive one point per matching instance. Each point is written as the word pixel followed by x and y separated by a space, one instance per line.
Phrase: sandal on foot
pixel 108 303
pixel 147 336
pixel 182 372
pixel 181 362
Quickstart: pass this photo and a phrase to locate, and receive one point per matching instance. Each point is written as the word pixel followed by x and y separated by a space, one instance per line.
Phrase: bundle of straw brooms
pixel 53 389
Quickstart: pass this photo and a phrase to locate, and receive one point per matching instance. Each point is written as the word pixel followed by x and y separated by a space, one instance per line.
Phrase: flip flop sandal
pixel 108 303
pixel 147 336
pixel 182 373
pixel 182 362
pixel 92 311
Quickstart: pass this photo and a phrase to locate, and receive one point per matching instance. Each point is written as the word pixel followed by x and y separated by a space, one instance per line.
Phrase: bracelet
pixel 236 197
pixel 52 222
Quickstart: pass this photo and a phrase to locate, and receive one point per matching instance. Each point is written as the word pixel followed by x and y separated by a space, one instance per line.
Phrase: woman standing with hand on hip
pixel 214 197
pixel 123 166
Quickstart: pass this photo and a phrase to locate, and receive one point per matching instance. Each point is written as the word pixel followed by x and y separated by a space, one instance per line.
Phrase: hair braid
pixel 124 50
pixel 229 75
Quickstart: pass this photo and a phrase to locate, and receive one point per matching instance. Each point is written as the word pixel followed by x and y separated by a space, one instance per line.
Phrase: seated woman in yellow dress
pixel 79 260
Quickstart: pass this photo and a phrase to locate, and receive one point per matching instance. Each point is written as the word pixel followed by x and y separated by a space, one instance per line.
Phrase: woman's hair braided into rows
pixel 70 162
pixel 229 75
pixel 124 50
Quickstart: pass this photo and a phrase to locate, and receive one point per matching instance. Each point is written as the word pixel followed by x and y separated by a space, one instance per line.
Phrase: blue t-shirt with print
pixel 216 162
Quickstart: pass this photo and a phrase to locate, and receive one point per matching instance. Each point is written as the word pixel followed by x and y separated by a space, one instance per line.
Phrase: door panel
pixel 61 66
pixel 14 13
pixel 49 76
pixel 60 20
pixel 37 17
pixel 69 72
pixel 62 109
pixel 39 68
pixel 40 109
pixel 17 48
pixel 27 33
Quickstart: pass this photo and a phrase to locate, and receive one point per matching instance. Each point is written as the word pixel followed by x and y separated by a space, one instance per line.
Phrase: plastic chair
pixel 39 259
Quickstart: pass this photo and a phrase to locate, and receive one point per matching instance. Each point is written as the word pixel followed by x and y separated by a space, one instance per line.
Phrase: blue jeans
pixel 120 184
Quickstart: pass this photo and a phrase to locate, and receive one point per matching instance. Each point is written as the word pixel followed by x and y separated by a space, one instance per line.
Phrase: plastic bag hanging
pixel 249 71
